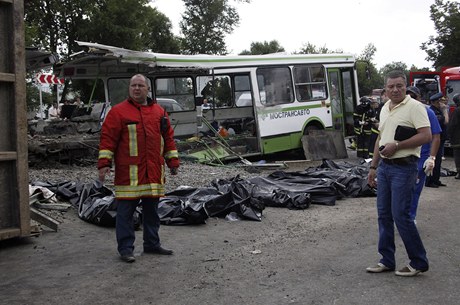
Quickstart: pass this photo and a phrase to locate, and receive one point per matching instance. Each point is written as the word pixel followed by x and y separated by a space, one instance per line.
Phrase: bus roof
pixel 207 61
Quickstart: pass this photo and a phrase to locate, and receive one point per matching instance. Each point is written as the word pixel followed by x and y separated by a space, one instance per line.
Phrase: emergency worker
pixel 362 117
pixel 137 137
pixel 428 153
pixel 453 133
pixel 375 109
pixel 434 180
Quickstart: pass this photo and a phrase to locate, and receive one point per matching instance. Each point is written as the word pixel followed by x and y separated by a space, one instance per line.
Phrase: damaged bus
pixel 267 103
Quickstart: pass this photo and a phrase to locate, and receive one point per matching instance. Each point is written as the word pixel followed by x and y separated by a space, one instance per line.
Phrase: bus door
pixel 342 99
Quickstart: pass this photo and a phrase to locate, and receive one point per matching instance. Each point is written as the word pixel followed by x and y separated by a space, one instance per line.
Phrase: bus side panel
pixel 289 141
pixel 274 120
pixel 281 142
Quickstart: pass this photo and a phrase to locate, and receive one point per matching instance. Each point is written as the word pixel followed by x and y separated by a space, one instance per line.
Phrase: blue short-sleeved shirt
pixel 435 129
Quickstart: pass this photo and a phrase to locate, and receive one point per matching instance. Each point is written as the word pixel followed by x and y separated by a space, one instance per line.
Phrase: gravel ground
pixel 190 174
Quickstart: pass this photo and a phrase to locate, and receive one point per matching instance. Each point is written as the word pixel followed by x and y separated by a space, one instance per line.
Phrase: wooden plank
pixel 6 1
pixel 43 219
pixel 9 233
pixel 22 170
pixel 8 155
pixel 7 77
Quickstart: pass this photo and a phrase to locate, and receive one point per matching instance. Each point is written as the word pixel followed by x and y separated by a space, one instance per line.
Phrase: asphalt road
pixel 314 256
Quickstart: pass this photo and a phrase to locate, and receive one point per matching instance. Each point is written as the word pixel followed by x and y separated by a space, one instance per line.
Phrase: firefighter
pixel 138 139
pixel 363 119
pixel 373 114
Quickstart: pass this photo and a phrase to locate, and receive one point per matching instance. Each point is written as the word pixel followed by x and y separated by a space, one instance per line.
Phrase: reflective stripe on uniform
pixel 172 154
pixel 132 134
pixel 137 191
pixel 133 175
pixel 104 153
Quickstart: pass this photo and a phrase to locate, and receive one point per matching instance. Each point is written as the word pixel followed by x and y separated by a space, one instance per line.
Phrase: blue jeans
pixel 394 199
pixel 125 226
pixel 418 187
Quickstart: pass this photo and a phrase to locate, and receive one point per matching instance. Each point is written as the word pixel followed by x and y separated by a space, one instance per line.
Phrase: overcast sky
pixel 397 28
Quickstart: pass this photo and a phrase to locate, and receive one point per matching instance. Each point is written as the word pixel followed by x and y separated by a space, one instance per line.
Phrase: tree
pixel 55 23
pixel 133 24
pixel 260 48
pixel 158 36
pixel 205 24
pixel 368 76
pixel 444 49
pixel 395 65
pixel 309 48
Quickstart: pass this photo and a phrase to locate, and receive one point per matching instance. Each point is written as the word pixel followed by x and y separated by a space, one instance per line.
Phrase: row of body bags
pixel 233 198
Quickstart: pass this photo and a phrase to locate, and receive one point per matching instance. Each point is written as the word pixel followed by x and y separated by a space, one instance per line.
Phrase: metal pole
pixel 41 103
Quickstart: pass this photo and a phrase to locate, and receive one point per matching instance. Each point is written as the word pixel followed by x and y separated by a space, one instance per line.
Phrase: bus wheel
pixel 310 128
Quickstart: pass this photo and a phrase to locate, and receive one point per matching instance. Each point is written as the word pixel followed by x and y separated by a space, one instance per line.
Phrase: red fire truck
pixel 446 81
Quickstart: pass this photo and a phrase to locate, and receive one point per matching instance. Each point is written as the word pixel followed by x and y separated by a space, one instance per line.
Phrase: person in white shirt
pixel 53 112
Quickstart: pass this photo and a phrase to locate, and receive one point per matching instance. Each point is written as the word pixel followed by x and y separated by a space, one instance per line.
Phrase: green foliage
pixel 309 48
pixel 55 25
pixel 395 66
pixel 158 36
pixel 444 49
pixel 368 52
pixel 205 24
pixel 33 97
pixel 368 76
pixel 260 48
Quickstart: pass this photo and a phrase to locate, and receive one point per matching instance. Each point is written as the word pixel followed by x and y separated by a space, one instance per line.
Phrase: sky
pixel 397 28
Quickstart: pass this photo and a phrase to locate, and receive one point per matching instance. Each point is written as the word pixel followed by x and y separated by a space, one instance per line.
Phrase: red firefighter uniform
pixel 132 138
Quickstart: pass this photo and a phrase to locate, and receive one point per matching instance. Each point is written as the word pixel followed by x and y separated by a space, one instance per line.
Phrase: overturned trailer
pixel 260 104
pixel 14 199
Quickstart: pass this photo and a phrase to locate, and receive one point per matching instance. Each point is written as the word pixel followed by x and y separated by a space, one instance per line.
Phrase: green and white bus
pixel 269 102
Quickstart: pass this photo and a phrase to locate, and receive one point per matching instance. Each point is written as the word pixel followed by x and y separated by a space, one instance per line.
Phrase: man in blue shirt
pixel 427 154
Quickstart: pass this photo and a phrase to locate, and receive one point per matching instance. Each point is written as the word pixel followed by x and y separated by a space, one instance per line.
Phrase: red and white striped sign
pixel 49 79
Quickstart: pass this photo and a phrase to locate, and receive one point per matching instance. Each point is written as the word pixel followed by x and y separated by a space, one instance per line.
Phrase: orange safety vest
pixel 131 137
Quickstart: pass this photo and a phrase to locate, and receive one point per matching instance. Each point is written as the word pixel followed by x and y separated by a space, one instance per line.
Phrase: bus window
pixel 310 83
pixel 275 85
pixel 90 90
pixel 118 90
pixel 178 89
pixel 243 96
pixel 216 89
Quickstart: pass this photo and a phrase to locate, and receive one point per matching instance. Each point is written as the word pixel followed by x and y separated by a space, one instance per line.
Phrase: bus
pixel 269 102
